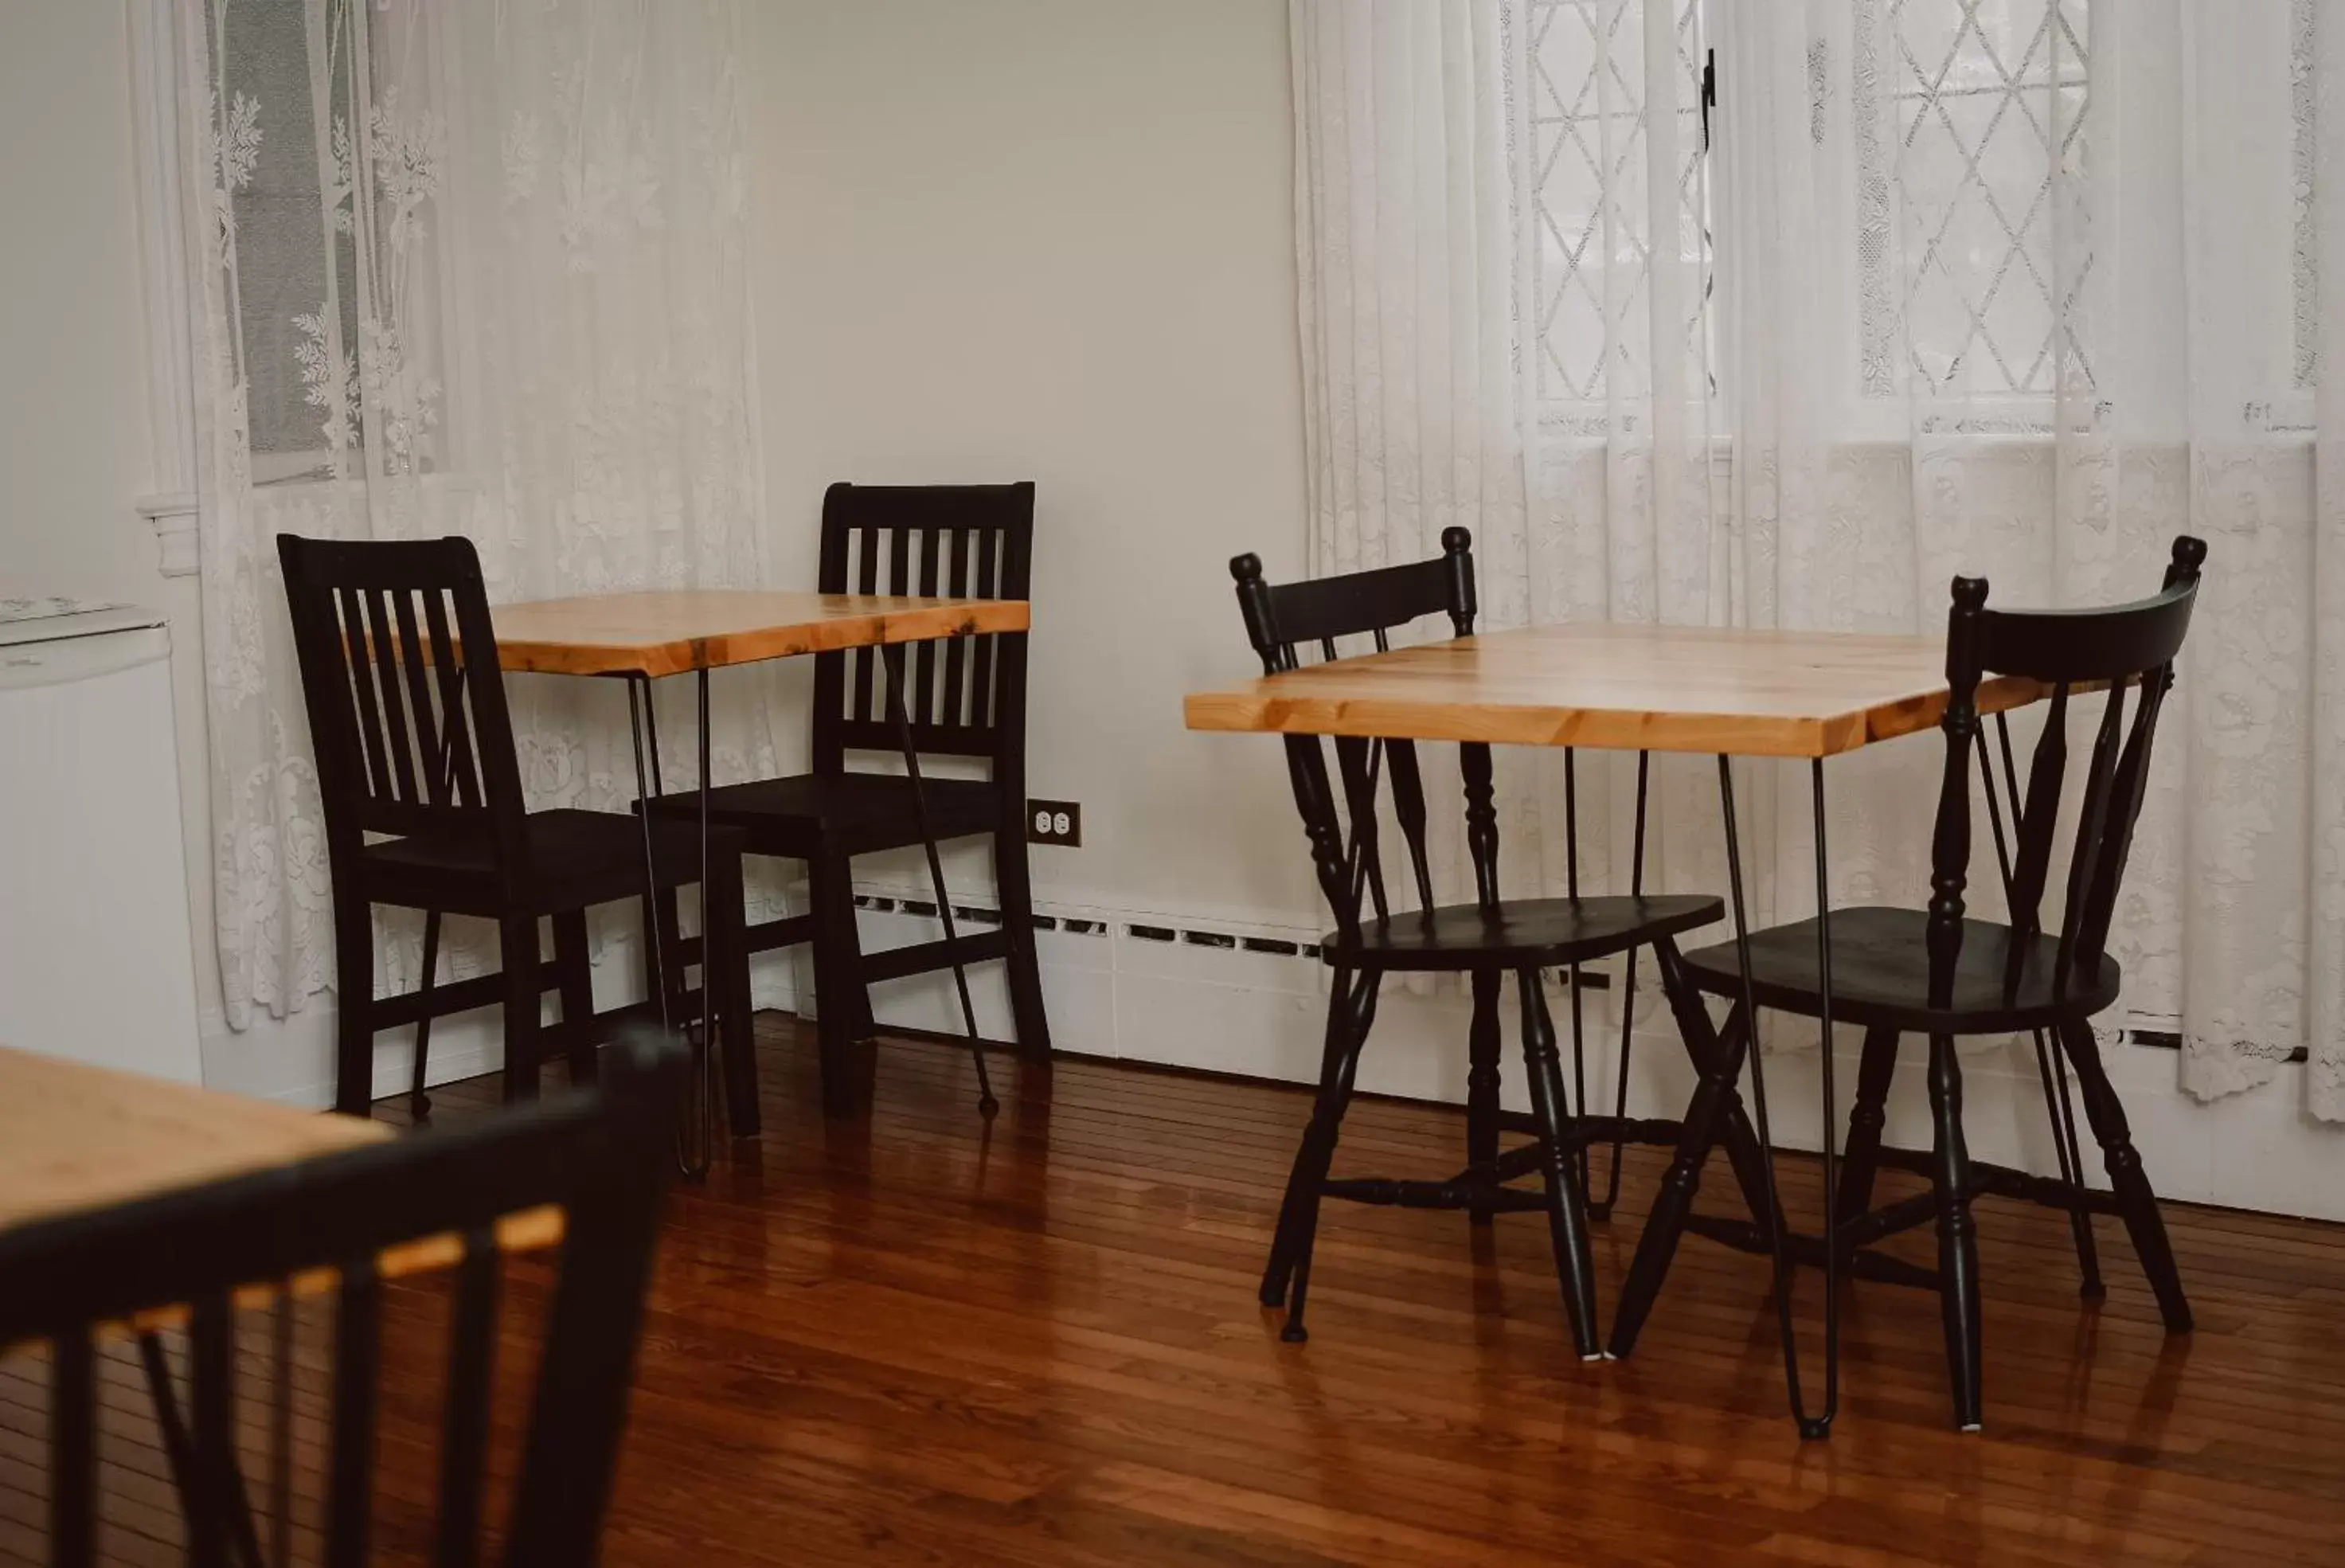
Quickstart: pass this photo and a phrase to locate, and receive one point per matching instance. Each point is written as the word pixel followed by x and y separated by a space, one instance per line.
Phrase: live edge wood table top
pixel 669 633
pixel 1630 687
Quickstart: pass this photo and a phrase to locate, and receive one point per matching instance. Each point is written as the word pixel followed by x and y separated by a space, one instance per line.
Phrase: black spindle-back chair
pixel 1938 973
pixel 1485 939
pixel 421 791
pixel 964 698
pixel 599 1154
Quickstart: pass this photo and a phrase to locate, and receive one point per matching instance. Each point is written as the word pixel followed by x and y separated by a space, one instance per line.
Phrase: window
pixel 1593 278
pixel 1975 164
pixel 1968 117
pixel 323 184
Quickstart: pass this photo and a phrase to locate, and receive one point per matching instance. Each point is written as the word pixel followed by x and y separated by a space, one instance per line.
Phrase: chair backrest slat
pixel 464 1419
pixel 935 538
pixel 412 734
pixel 601 1155
pixel 953 697
pixel 924 654
pixel 1281 620
pixel 1408 809
pixel 358 1363
pixel 72 1452
pixel 1359 762
pixel 2119 649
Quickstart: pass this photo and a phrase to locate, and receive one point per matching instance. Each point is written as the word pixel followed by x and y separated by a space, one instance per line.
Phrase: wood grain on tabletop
pixel 1661 688
pixel 670 632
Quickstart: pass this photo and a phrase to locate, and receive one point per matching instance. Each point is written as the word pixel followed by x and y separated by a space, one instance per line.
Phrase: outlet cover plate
pixel 1059 822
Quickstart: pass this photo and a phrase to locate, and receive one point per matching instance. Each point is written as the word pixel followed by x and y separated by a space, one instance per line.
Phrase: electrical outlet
pixel 1059 822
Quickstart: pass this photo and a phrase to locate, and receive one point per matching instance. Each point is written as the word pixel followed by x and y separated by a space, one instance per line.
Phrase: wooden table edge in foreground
pixel 622 634
pixel 72 1106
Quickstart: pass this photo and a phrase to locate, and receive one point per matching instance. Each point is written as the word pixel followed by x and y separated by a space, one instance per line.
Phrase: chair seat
pixel 1519 933
pixel 854 813
pixel 576 857
pixel 1881 975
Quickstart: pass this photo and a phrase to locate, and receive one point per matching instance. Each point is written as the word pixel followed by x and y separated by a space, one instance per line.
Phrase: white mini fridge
pixel 96 960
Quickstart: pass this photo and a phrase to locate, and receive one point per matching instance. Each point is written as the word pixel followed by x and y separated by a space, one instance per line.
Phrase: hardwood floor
pixel 912 1339
pixel 908 1339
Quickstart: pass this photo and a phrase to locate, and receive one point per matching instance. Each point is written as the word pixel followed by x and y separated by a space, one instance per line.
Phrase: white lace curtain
pixel 460 266
pixel 2016 287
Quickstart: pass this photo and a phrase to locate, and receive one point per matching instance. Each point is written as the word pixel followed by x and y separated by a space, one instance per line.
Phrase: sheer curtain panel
pixel 459 266
pixel 2014 288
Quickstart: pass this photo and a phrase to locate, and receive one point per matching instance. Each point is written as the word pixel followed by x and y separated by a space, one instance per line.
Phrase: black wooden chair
pixel 600 1155
pixel 423 808
pixel 1486 939
pixel 1939 974
pixel 966 697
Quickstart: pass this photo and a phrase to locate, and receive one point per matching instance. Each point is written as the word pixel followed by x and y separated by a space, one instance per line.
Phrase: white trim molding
pixel 158 146
pixel 173 518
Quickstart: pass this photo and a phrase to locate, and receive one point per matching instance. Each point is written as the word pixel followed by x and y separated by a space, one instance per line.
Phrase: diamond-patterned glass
pixel 1593 268
pixel 1970 134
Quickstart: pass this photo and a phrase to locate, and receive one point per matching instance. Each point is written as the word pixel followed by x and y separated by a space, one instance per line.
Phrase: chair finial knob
pixel 1246 568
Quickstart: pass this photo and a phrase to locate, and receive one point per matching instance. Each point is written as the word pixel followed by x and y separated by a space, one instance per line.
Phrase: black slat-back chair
pixel 1937 974
pixel 1484 939
pixel 966 697
pixel 600 1155
pixel 423 797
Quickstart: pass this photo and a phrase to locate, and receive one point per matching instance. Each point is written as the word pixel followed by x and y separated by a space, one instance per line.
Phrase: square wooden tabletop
pixel 668 631
pixel 1631 687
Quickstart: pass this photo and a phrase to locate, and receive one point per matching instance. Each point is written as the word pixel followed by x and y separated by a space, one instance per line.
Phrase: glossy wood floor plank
pixel 909 1338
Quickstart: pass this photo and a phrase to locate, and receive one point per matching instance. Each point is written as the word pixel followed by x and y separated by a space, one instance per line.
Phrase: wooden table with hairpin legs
pixel 640 637
pixel 1726 692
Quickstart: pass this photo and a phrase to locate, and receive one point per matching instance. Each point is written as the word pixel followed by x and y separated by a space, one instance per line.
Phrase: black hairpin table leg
pixel 1820 1425
pixel 643 733
pixel 891 660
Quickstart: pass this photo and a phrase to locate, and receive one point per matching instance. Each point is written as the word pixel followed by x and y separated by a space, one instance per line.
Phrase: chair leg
pixel 1360 1016
pixel 573 972
pixel 726 975
pixel 837 982
pixel 659 913
pixel 2136 1201
pixel 418 1103
pixel 2051 1068
pixel 1483 1050
pixel 353 1006
pixel 1703 1045
pixel 1958 1284
pixel 1861 1158
pixel 524 996
pixel 1336 1043
pixel 1705 1120
pixel 1567 1201
pixel 1014 880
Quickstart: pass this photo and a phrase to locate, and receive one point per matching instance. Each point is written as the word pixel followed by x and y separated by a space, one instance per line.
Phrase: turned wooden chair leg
pixel 1483 1049
pixel 1958 1281
pixel 1354 1013
pixel 1566 1202
pixel 2136 1202
pixel 1861 1158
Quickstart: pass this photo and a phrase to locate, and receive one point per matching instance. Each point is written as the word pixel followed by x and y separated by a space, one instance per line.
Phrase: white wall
pixel 73 442
pixel 76 451
pixel 1053 240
